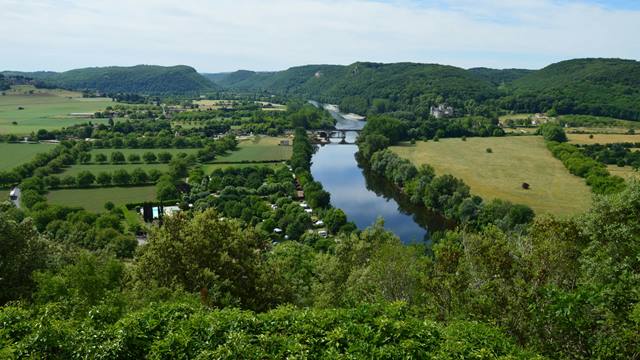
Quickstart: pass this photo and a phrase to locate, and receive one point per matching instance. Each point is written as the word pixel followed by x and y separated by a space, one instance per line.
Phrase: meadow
pixel 602 138
pixel 501 173
pixel 258 149
pixel 45 109
pixel 93 199
pixel 12 155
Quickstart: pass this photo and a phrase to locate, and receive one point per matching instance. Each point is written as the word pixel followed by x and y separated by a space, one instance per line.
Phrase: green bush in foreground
pixel 184 330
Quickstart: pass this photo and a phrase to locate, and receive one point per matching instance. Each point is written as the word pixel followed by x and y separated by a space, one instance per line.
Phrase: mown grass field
pixel 208 168
pixel 93 199
pixel 259 149
pixel 45 109
pixel 500 174
pixel 602 138
pixel 12 155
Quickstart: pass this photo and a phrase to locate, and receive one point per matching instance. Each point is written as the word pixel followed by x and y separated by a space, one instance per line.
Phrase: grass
pixel 94 199
pixel 625 172
pixel 500 174
pixel 16 154
pixel 259 149
pixel 208 168
pixel 110 168
pixel 602 138
pixel 45 109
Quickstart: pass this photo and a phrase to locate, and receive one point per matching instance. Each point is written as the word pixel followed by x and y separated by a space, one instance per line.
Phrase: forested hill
pixel 500 76
pixel 608 87
pixel 363 86
pixel 146 79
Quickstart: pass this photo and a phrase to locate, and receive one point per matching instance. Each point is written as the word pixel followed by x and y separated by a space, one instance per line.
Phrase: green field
pixel 97 168
pixel 45 109
pixel 12 155
pixel 208 168
pixel 500 174
pixel 259 149
pixel 93 199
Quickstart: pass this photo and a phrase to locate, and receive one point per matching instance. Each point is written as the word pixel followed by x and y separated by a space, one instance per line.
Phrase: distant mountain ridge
pixel 145 79
pixel 594 86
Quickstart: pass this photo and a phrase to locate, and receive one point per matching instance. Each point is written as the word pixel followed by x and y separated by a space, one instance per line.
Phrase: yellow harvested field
pixel 625 172
pixel 602 138
pixel 500 174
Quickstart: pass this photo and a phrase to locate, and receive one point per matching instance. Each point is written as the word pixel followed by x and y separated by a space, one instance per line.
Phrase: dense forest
pixel 144 79
pixel 357 87
pixel 4 83
pixel 500 76
pixel 602 87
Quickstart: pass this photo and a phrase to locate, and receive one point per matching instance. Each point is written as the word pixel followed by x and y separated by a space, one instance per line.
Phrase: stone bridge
pixel 325 136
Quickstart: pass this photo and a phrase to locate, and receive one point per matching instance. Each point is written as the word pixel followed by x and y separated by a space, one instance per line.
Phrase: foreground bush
pixel 179 330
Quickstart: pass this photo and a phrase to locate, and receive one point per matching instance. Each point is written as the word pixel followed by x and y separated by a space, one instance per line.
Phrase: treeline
pixel 595 172
pixel 118 177
pixel 579 164
pixel 620 154
pixel 396 129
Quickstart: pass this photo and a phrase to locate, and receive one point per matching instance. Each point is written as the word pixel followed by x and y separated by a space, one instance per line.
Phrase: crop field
pixel 500 174
pixel 602 138
pixel 95 169
pixel 93 199
pixel 625 172
pixel 259 149
pixel 12 155
pixel 45 109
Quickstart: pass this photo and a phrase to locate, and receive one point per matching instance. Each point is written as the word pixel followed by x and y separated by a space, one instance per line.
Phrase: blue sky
pixel 226 35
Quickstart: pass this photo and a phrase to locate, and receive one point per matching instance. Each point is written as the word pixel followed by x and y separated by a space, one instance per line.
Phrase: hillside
pixel 147 79
pixel 364 86
pixel 606 87
pixel 4 84
pixel 499 76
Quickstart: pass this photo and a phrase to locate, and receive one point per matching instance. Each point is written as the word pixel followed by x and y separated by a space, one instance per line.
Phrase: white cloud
pixel 264 35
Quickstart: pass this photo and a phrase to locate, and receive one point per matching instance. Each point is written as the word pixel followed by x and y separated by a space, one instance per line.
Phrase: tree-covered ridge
pixel 500 76
pixel 146 79
pixel 402 86
pixel 4 83
pixel 603 87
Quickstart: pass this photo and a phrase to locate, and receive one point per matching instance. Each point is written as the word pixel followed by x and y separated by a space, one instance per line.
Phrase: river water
pixel 365 197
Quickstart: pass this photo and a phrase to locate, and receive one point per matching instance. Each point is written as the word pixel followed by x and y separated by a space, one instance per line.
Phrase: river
pixel 364 196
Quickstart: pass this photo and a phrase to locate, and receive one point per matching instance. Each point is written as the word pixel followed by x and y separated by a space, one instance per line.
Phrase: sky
pixel 227 35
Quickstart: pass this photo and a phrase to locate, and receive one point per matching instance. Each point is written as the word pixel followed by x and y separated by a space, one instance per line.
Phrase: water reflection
pixel 364 196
